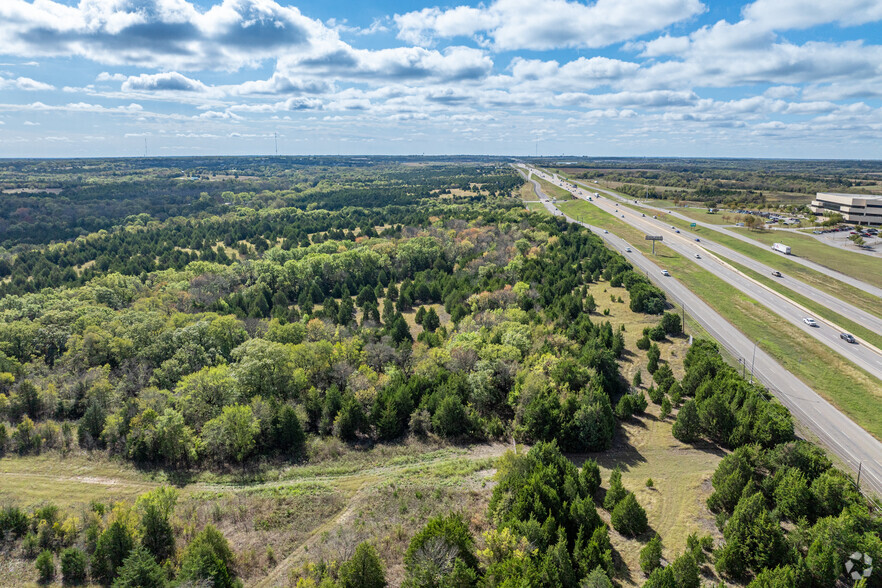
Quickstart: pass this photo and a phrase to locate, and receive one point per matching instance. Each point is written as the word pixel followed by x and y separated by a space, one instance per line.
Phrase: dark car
pixel 776 273
pixel 847 337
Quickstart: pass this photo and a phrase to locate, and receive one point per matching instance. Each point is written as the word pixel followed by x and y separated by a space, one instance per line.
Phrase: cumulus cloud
pixel 159 33
pixel 163 82
pixel 801 14
pixel 547 24
pixel 26 84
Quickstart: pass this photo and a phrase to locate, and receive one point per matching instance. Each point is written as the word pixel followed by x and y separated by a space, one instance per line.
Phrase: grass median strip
pixel 553 191
pixel 851 389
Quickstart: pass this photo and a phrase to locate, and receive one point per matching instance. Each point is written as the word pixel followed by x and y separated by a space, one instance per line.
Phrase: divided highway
pixel 869 288
pixel 846 439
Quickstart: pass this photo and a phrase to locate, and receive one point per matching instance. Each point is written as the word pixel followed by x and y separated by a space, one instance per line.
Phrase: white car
pixel 627 249
pixel 605 232
pixel 810 321
pixel 665 273
pixel 697 256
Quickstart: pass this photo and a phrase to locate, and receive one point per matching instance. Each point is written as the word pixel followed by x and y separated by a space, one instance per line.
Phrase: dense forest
pixel 385 303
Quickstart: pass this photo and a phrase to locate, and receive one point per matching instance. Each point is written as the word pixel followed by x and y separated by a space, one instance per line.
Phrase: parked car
pixel 776 273
pixel 847 337
pixel 810 321
pixel 665 273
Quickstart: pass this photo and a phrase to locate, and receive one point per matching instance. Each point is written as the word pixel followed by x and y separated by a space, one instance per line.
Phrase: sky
pixel 681 78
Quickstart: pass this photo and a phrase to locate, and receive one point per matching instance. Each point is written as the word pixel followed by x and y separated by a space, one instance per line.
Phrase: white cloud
pixel 108 77
pixel 547 24
pixel 801 14
pixel 26 84
pixel 163 82
pixel 159 33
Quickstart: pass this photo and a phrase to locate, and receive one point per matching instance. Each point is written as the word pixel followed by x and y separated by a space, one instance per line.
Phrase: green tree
pixel 45 565
pixel 653 355
pixel 431 322
pixel 437 547
pixel 671 323
pixel 616 491
pixel 350 420
pixel 450 419
pixel 140 570
pixel 288 434
pixel 687 427
pixel 175 440
pixel 232 435
pixel 202 395
pixel 208 557
pixel 73 566
pixel 265 368
pixel 628 517
pixel 792 494
pixel 650 555
pixel 717 419
pixel 114 546
pixel 589 476
pixel 363 570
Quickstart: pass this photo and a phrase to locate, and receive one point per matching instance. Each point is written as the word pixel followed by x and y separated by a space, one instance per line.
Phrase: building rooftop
pixel 866 196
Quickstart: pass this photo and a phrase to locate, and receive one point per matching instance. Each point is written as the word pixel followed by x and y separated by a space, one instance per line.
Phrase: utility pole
pixel 751 362
pixel 860 467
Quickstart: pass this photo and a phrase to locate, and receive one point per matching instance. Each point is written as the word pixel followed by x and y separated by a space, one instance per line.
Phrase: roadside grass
pixel 553 191
pixel 537 207
pixel 526 192
pixel 856 265
pixel 851 389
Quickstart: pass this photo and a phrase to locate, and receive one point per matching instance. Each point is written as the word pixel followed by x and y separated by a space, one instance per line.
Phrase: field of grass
pixel 553 191
pixel 526 192
pixel 852 390
pixel 862 267
pixel 537 207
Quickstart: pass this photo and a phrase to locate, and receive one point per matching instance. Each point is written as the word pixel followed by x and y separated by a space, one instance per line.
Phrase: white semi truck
pixel 781 248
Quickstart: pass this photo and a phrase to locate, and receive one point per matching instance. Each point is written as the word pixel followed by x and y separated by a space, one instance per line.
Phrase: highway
pixel 863 354
pixel 853 445
pixel 735 234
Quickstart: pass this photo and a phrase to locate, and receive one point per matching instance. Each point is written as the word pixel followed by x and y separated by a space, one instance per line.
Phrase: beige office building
pixel 855 208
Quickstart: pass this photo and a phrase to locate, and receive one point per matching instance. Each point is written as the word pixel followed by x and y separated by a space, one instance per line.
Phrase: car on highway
pixel 654 216
pixel 623 216
pixel 605 232
pixel 776 273
pixel 665 273
pixel 810 321
pixel 628 249
pixel 847 337
pixel 673 227
pixel 676 230
pixel 641 214
pixel 697 240
pixel 697 256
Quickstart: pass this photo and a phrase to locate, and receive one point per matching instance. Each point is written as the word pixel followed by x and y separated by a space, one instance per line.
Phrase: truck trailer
pixel 781 248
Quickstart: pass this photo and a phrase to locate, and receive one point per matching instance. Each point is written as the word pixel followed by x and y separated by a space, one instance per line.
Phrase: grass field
pixel 849 388
pixel 537 207
pixel 553 191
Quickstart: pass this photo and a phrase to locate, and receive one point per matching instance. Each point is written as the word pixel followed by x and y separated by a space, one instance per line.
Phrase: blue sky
pixel 769 78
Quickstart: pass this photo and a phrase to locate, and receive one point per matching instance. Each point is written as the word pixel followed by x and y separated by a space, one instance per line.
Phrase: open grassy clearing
pixel 537 207
pixel 846 386
pixel 526 192
pixel 862 267
pixel 676 503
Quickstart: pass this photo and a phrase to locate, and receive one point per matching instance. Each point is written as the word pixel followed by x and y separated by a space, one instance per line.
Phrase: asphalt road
pixel 841 435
